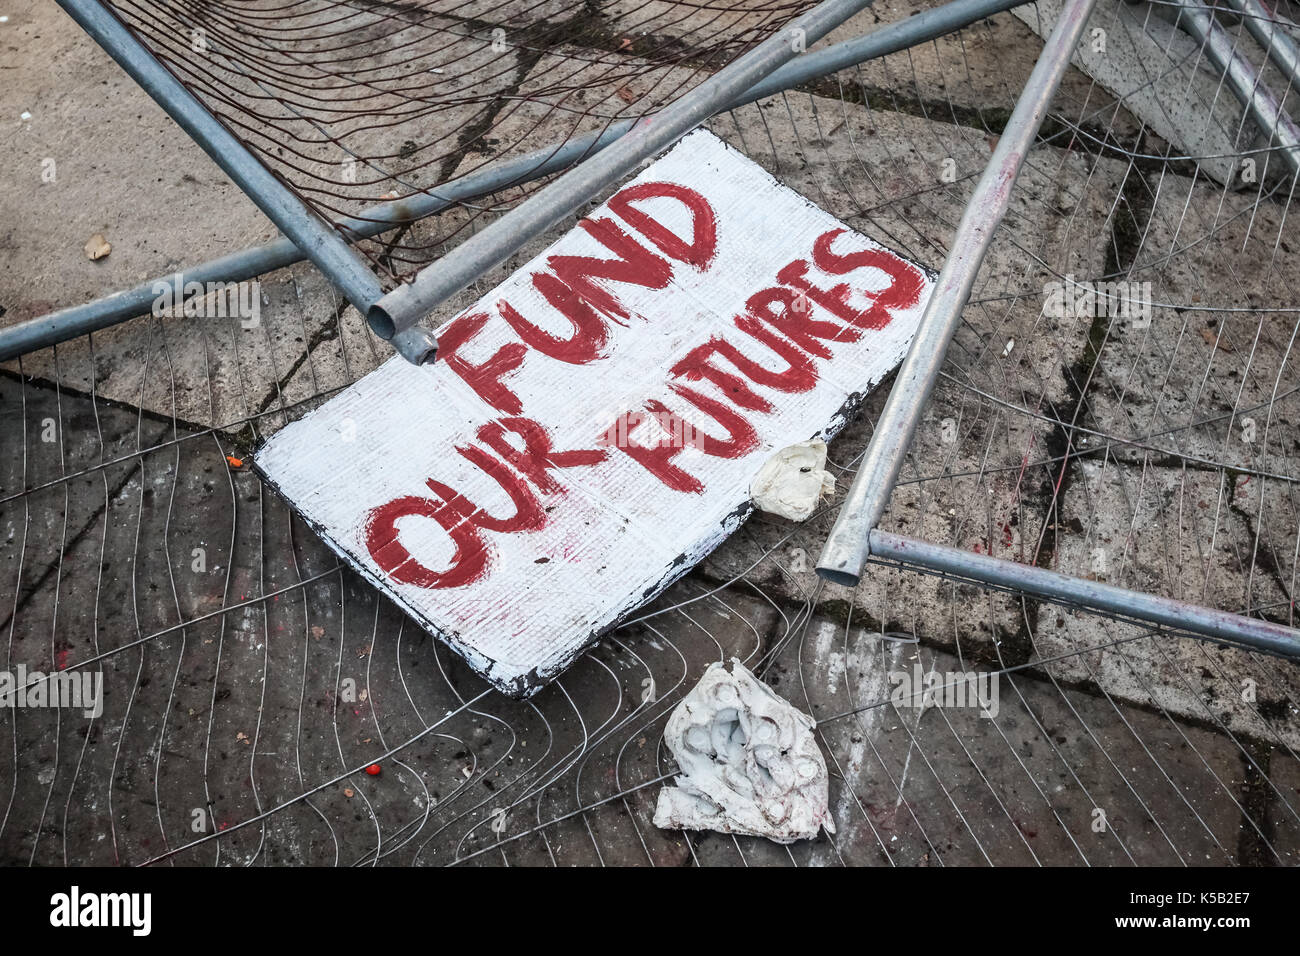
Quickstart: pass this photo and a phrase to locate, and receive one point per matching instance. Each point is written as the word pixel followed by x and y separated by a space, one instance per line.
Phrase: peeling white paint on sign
pixel 591 427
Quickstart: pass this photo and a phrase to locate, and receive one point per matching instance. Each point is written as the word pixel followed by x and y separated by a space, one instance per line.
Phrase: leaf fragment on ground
pixel 97 247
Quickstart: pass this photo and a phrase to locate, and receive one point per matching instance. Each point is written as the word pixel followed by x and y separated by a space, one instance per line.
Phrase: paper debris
pixel 97 247
pixel 749 760
pixel 792 482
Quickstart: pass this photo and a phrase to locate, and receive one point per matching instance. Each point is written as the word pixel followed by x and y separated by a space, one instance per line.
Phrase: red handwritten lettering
pixel 385 545
pixel 536 457
pixel 486 378
pixel 528 515
pixel 704 224
pixel 517 452
pixel 800 374
pixel 635 265
pixel 585 304
pixel 696 365
pixel 903 292
pixel 906 280
pixel 658 458
pixel 462 519
pixel 782 309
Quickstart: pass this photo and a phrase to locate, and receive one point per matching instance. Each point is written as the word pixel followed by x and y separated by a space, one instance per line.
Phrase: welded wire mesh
pixel 352 103
pixel 250 679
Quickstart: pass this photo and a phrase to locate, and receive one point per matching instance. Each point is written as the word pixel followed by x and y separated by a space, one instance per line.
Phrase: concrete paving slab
pixel 951 79
pixel 945 785
pixel 1205 373
pixel 96 155
pixel 1159 72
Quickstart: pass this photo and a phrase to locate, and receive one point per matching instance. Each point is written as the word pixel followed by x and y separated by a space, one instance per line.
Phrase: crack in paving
pixel 1263 556
pixel 328 332
pixel 1130 220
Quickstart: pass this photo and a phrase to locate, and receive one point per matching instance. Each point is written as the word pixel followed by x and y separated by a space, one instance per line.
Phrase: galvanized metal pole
pixel 1244 80
pixel 318 241
pixel 1092 595
pixel 846 549
pixel 46 330
pixel 410 303
pixel 1278 43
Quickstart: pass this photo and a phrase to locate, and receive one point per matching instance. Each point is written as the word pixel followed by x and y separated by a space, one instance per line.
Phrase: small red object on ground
pixel 374 770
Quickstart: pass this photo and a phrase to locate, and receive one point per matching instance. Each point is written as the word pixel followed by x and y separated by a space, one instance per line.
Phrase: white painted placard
pixel 591 427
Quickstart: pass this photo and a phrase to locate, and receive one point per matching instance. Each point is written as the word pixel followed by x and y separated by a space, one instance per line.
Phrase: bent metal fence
pixel 1079 484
